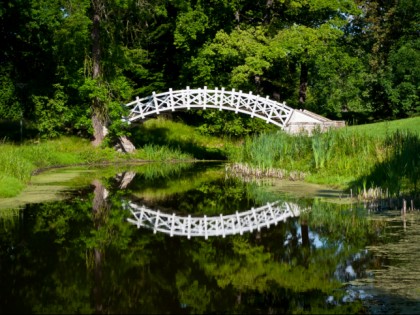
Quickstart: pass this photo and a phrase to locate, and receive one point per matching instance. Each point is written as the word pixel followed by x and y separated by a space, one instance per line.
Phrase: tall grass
pixel 344 158
pixel 271 150
pixel 153 152
pixel 322 144
pixel 18 162
pixel 14 164
pixel 399 169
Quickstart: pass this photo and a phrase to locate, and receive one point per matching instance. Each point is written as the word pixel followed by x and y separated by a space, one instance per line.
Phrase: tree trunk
pixel 100 210
pixel 99 128
pixel 305 234
pixel 96 47
pixel 98 108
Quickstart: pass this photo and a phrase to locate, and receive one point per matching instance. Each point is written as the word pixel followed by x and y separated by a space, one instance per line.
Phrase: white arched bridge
pixel 222 225
pixel 273 112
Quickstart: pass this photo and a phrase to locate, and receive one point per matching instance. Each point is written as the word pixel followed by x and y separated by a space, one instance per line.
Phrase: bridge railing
pixel 247 103
pixel 222 225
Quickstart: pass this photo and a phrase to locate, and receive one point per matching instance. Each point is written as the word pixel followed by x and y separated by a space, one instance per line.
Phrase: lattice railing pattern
pixel 247 103
pixel 222 225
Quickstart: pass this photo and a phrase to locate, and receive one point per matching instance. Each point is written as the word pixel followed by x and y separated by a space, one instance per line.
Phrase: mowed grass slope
pixel 382 129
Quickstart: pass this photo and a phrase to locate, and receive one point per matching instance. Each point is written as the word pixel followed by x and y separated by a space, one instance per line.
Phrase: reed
pixel 274 150
pixel 322 145
pixel 347 159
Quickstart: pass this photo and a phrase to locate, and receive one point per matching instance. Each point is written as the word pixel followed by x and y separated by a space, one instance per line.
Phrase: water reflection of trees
pixel 55 266
pixel 81 256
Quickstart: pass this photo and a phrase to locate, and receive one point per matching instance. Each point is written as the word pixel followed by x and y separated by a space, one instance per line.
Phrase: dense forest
pixel 68 66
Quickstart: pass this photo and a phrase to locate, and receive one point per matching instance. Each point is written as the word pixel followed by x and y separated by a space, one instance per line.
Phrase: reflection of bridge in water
pixel 221 225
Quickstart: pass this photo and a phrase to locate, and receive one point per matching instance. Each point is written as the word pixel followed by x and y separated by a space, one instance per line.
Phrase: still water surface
pixel 79 254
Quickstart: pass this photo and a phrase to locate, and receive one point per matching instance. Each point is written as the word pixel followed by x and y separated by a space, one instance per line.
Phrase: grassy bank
pixel 384 156
pixel 18 162
pixel 155 140
pixel 361 158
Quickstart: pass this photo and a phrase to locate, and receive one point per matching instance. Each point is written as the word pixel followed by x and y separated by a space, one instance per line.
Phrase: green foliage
pixel 52 114
pixel 340 85
pixel 404 75
pixel 385 32
pixel 9 104
pixel 189 26
pixel 368 63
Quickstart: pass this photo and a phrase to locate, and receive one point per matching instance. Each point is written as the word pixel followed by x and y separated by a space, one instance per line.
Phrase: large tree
pixel 69 65
pixel 115 38
pixel 274 47
pixel 388 32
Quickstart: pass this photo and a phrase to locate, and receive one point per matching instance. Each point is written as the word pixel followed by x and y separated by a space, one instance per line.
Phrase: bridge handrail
pixel 221 225
pixel 247 103
pixel 205 89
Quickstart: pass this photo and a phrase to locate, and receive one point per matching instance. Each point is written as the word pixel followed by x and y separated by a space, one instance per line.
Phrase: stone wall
pixel 306 121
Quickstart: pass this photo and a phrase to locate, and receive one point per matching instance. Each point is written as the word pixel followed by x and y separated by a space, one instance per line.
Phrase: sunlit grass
pixel 19 162
pixel 10 186
pixel 152 152
pixel 348 158
pixel 179 137
pixel 158 140
pixel 382 129
pixel 177 132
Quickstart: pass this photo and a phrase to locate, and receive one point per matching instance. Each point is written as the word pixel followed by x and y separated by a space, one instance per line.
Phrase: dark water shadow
pixel 377 301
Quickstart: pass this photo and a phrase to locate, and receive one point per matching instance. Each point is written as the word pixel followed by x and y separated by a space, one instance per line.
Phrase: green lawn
pixel 381 129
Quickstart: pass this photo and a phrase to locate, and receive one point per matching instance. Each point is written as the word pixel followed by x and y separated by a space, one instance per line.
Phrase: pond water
pixel 67 246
